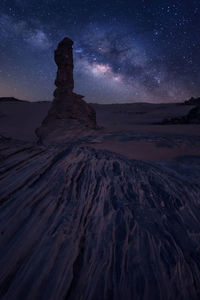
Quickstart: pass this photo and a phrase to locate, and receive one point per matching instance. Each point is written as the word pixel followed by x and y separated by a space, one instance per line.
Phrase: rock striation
pixel 83 224
pixel 69 114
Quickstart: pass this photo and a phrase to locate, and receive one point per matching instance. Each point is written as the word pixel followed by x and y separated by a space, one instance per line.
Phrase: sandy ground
pixel 146 141
pixel 20 119
pixel 127 129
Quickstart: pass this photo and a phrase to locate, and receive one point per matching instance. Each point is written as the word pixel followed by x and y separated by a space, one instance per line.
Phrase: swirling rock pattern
pixel 77 223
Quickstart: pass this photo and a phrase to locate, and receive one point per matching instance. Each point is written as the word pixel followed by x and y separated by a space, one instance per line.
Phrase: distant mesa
pixel 63 57
pixel 10 99
pixel 69 113
pixel 193 101
pixel 192 117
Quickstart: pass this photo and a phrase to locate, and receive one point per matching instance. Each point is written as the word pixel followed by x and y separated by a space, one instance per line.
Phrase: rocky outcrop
pixel 63 57
pixel 193 101
pixel 83 224
pixel 69 114
pixel 193 117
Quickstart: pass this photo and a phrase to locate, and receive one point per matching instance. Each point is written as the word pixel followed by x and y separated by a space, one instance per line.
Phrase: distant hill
pixel 10 99
pixel 15 100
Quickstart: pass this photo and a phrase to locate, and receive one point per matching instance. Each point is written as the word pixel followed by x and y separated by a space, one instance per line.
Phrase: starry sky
pixel 124 50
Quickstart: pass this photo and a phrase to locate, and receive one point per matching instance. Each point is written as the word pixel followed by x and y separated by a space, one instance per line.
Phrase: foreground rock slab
pixel 78 223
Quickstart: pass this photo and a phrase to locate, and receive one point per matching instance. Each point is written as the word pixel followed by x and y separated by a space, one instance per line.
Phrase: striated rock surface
pixel 69 114
pixel 193 116
pixel 78 223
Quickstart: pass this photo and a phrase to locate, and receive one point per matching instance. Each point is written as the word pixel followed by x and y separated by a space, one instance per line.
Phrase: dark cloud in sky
pixel 123 51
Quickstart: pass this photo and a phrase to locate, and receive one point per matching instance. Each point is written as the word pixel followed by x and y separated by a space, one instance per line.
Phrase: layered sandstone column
pixel 69 113
pixel 64 59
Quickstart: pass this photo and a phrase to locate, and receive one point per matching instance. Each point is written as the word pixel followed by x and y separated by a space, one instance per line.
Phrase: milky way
pixel 124 51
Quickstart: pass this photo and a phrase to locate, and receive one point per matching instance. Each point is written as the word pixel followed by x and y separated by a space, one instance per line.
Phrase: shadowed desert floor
pixel 127 129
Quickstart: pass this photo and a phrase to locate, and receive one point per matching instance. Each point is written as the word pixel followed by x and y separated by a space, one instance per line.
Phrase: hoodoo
pixel 69 113
pixel 64 59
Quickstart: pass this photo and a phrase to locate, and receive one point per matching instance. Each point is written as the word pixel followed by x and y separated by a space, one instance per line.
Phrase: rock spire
pixel 69 113
pixel 63 57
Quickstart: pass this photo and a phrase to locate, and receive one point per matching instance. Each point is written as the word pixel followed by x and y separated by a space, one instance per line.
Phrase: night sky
pixel 124 51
